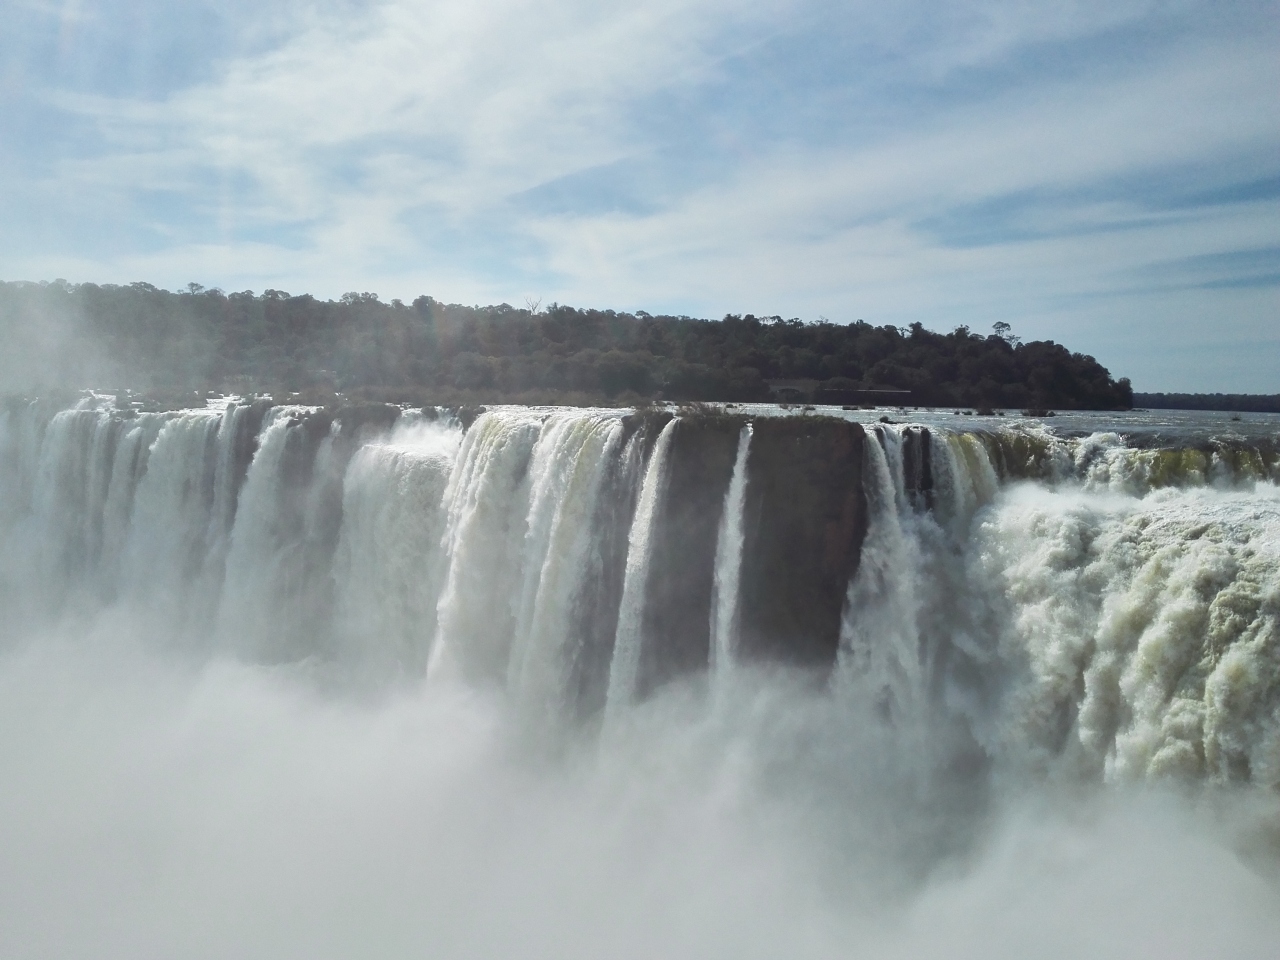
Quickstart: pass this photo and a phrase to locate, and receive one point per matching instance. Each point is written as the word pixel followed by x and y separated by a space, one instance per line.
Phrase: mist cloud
pixel 153 808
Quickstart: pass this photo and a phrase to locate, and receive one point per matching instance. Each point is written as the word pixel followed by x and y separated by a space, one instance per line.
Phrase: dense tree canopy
pixel 1240 402
pixel 140 336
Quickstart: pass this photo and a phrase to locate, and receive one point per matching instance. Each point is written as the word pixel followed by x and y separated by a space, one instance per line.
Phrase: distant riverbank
pixel 143 338
pixel 1237 402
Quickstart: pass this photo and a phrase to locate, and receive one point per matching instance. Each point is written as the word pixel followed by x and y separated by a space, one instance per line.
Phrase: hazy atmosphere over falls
pixel 1101 174
pixel 283 681
pixel 686 479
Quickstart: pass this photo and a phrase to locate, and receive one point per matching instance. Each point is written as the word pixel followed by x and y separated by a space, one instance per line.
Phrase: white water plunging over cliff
pixel 625 661
pixel 487 498
pixel 389 567
pixel 295 682
pixel 567 470
pixel 1147 629
pixel 724 597
pixel 880 640
pixel 1095 606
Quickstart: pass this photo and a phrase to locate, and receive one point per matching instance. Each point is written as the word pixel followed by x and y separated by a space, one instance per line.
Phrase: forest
pixel 144 338
pixel 1233 402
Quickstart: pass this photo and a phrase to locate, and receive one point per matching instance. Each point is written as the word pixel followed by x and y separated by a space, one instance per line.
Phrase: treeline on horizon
pixel 138 336
pixel 1234 402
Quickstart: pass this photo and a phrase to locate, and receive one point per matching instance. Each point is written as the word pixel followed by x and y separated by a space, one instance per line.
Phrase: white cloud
pixel 861 201
pixel 478 100
pixel 380 147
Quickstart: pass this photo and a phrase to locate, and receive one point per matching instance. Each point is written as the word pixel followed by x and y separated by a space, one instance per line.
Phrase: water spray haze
pixel 333 683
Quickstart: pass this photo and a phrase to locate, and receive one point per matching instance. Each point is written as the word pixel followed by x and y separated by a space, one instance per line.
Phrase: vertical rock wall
pixel 677 618
pixel 805 520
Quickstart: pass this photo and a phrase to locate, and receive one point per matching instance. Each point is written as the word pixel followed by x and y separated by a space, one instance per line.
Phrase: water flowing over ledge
pixel 1087 603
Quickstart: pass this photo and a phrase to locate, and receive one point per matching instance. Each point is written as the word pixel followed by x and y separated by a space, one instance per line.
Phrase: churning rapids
pixel 287 682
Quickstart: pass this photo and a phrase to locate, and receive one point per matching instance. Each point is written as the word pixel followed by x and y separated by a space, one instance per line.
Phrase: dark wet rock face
pixel 805 520
pixel 677 616
pixel 917 467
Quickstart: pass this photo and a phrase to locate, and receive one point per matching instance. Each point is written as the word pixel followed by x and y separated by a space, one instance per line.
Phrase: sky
pixel 1105 173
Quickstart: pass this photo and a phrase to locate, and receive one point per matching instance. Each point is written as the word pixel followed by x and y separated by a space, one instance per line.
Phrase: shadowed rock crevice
pixel 917 467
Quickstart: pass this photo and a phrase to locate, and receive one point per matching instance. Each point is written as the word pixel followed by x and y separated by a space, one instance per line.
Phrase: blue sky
pixel 1106 174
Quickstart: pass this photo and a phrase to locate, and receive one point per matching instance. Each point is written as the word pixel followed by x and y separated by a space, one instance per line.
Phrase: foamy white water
pixel 568 467
pixel 487 498
pixel 390 562
pixel 1148 629
pixel 625 664
pixel 728 569
pixel 262 577
pixel 880 644
pixel 1053 692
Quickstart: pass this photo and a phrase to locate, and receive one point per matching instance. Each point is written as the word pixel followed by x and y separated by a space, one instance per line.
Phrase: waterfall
pixel 11 462
pixel 568 466
pixel 891 442
pixel 626 649
pixel 1082 603
pixel 128 466
pixel 169 530
pixel 389 564
pixel 61 494
pixel 1148 627
pixel 261 568
pixel 226 490
pixel 963 477
pixel 359 672
pixel 880 643
pixel 102 448
pixel 488 496
pixel 724 595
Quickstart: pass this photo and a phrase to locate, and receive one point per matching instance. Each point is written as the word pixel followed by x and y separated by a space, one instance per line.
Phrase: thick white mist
pixel 156 810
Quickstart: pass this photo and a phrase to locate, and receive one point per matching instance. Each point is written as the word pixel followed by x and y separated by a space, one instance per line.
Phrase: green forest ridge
pixel 141 337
